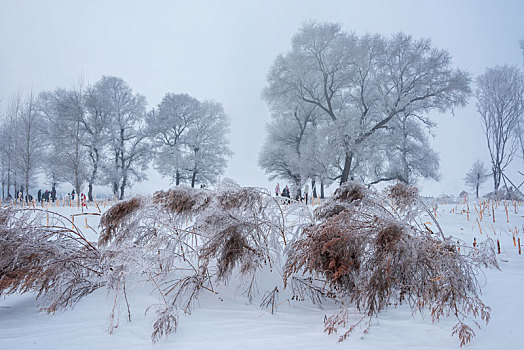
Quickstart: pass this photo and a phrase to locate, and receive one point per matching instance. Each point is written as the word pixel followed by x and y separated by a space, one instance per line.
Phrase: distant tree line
pixel 104 135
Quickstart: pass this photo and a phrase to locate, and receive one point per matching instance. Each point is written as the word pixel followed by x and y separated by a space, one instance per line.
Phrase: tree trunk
pixel 27 185
pixel 193 179
pixel 123 186
pixel 90 191
pixel 95 157
pixel 496 177
pixel 8 182
pixel 177 177
pixel 477 190
pixel 322 189
pixel 314 187
pixel 298 194
pixel 347 166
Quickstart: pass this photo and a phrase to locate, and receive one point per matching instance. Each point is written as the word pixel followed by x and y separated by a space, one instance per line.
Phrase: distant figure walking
pixel 73 194
pixel 277 190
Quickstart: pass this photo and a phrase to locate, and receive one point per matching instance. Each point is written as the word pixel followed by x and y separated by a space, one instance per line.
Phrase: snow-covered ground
pixel 229 321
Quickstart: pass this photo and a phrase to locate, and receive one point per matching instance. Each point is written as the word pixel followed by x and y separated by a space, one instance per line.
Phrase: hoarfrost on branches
pixel 361 85
pixel 476 176
pixel 190 139
pixel 359 248
pixel 500 96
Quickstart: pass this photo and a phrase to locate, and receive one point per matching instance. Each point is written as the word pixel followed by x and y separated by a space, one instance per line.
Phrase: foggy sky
pixel 222 50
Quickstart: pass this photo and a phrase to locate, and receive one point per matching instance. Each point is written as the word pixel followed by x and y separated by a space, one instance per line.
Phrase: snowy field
pixel 229 321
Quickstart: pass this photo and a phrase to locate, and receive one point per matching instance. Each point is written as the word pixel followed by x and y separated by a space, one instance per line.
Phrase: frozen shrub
pixel 185 240
pixel 54 261
pixel 372 255
pixel 360 248
pixel 404 196
pixel 115 216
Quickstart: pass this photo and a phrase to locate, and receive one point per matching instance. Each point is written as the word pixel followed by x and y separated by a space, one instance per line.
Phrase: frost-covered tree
pixel 207 144
pixel 168 127
pixel 189 138
pixel 361 84
pixel 29 142
pixel 476 176
pixel 96 133
pixel 402 152
pixel 127 149
pixel 290 151
pixel 500 95
pixel 8 145
pixel 66 156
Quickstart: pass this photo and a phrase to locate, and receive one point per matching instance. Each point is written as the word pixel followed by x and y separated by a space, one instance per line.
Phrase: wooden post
pixel 498 246
pixel 73 221
pixel 86 222
pixel 514 243
pixel 480 228
pixel 493 212
pixel 519 245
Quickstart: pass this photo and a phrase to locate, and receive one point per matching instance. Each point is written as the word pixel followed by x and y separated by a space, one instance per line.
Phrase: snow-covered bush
pixel 53 260
pixel 186 240
pixel 358 248
pixel 373 251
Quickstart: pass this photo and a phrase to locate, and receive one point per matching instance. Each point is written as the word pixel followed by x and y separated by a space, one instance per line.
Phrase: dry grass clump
pixel 230 248
pixel 115 217
pixel 239 198
pixel 182 200
pixel 360 248
pixel 55 262
pixel 403 195
pixel 373 257
pixel 350 192
pixel 186 241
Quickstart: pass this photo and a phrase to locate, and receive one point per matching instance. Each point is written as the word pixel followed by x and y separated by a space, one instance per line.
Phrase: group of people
pixel 47 196
pixel 286 193
pixel 50 196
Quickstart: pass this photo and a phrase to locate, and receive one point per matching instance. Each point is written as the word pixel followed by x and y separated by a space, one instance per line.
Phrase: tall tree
pixel 9 144
pixel 66 158
pixel 363 83
pixel 29 141
pixel 207 144
pixel 96 133
pixel 168 127
pixel 127 146
pixel 190 139
pixel 500 96
pixel 290 151
pixel 476 176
